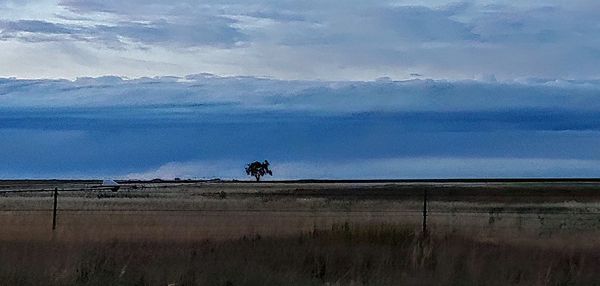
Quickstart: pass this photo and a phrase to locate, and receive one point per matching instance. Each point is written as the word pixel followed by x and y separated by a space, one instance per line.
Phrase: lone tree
pixel 258 169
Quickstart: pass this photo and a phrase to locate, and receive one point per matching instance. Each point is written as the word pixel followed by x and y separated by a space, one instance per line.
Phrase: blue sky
pixel 323 89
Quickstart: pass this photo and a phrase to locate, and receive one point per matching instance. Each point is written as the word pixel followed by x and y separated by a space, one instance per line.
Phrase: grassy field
pixel 300 233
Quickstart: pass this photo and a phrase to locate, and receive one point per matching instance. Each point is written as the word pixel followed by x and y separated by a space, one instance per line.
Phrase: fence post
pixel 54 212
pixel 425 211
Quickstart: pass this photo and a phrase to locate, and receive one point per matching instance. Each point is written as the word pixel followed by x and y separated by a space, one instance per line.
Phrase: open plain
pixel 494 232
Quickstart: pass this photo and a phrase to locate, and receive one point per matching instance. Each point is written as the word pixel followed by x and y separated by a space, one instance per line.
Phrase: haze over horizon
pixel 376 89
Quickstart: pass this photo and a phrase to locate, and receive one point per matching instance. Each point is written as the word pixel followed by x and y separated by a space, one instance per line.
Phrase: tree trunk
pixel 257 178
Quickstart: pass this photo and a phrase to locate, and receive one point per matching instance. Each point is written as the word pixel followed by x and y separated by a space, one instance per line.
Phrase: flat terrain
pixel 559 218
pixel 193 210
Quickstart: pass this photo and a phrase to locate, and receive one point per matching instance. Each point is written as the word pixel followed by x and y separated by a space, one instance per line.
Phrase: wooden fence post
pixel 425 211
pixel 54 212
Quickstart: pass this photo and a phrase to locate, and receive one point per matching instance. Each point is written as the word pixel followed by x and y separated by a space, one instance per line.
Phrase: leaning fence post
pixel 54 211
pixel 424 211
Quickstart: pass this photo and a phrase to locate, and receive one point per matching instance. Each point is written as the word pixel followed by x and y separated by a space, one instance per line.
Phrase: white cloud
pixel 353 40
pixel 390 168
pixel 191 170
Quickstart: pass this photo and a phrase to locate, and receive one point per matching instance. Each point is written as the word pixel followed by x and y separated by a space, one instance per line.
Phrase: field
pixel 301 233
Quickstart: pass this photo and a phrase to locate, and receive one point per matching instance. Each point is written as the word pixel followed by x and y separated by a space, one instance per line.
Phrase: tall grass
pixel 345 254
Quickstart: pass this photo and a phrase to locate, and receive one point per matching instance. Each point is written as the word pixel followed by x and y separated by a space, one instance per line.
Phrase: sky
pixel 322 89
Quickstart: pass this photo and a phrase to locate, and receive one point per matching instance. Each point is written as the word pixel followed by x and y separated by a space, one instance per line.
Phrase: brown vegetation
pixel 267 234
pixel 345 254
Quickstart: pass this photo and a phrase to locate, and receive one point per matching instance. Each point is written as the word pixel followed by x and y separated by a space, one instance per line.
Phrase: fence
pixel 427 195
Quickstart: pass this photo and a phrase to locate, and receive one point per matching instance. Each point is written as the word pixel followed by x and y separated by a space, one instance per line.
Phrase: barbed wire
pixel 371 212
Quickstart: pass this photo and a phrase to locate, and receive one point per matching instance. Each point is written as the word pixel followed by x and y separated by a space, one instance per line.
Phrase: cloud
pixel 191 170
pixel 35 31
pixel 249 94
pixel 34 26
pixel 500 80
pixel 214 31
pixel 112 126
pixel 310 40
pixel 390 168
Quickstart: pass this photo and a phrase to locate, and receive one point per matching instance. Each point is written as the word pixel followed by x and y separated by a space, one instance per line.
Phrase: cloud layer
pixel 431 88
pixel 245 94
pixel 353 40
pixel 390 168
pixel 208 126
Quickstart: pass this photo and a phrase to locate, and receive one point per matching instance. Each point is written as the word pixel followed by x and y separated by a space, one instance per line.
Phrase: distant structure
pixel 111 184
pixel 257 169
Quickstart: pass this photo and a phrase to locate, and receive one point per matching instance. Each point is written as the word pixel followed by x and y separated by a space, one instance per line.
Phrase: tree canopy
pixel 257 169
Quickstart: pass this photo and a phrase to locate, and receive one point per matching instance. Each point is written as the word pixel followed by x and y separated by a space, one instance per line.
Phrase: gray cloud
pixel 111 126
pixel 516 89
pixel 250 93
pixel 213 31
pixel 36 31
pixel 324 39
pixel 35 26
pixel 194 29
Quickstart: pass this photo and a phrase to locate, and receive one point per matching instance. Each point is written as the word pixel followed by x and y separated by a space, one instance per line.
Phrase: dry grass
pixel 300 234
pixel 345 254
